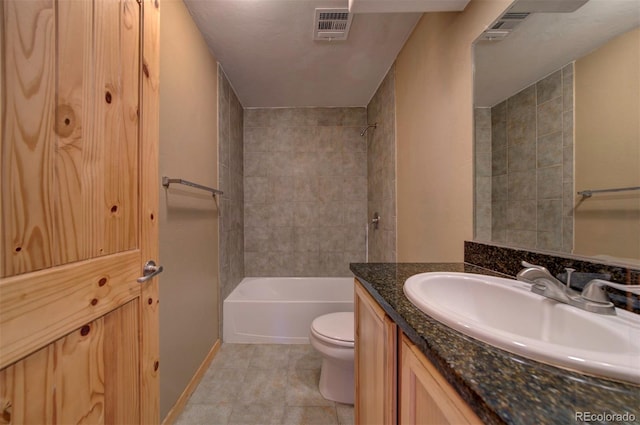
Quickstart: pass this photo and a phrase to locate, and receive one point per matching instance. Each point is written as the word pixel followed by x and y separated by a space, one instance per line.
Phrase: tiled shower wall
pixel 532 165
pixel 231 178
pixel 482 201
pixel 305 173
pixel 381 165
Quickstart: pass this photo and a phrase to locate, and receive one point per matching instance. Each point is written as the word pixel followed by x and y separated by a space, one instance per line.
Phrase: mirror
pixel 557 112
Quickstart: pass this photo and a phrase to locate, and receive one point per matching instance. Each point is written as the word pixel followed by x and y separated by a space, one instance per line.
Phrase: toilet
pixel 332 335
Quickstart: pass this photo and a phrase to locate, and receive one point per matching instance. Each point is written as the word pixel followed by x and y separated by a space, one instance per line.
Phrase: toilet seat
pixel 334 328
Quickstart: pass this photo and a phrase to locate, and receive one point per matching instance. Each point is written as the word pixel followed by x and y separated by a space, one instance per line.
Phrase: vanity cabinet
pixel 425 397
pixel 375 361
pixel 395 383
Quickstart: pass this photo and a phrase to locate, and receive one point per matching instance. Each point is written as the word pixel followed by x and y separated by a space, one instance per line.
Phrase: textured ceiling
pixel 267 51
pixel 545 42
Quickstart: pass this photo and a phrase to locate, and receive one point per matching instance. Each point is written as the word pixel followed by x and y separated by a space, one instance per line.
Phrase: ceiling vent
pixel 332 24
pixel 510 20
pixel 494 35
pixel 503 26
pixel 521 10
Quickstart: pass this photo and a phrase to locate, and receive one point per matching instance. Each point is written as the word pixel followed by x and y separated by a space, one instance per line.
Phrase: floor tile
pixel 302 388
pixel 304 356
pixel 233 356
pixel 204 414
pixel 311 415
pixel 269 356
pixel 263 384
pixel 263 387
pixel 220 386
pixel 345 414
pixel 257 414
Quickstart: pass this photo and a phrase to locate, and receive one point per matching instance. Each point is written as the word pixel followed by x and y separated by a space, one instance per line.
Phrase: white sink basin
pixel 505 314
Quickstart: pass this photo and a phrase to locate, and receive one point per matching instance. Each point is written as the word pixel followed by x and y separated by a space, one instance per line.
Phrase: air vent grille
pixel 515 15
pixel 330 16
pixel 503 27
pixel 332 24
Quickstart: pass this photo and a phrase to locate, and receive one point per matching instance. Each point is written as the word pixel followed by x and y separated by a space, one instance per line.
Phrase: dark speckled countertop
pixel 499 386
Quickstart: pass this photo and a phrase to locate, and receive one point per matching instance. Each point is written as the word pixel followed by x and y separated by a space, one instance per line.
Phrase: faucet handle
pixel 569 271
pixel 534 266
pixel 594 290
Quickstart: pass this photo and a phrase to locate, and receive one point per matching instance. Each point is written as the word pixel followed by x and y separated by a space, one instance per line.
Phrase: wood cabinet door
pixel 375 362
pixel 426 398
pixel 78 211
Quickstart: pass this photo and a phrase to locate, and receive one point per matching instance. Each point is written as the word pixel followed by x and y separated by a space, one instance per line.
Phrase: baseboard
pixel 193 384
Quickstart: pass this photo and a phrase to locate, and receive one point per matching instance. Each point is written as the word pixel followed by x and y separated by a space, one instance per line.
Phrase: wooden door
pixel 78 211
pixel 375 362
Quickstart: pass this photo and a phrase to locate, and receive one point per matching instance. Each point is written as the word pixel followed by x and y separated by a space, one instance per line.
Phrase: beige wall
pixel 607 131
pixel 434 124
pixel 188 218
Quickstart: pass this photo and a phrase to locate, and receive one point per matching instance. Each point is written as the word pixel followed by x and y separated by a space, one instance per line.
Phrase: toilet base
pixel 336 381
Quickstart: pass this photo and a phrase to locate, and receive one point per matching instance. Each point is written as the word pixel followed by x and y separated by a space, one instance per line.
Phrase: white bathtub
pixel 280 309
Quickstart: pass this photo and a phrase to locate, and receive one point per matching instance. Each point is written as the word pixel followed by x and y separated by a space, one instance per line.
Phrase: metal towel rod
pixel 166 181
pixel 588 193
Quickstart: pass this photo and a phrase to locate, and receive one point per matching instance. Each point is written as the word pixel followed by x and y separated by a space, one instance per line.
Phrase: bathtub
pixel 279 310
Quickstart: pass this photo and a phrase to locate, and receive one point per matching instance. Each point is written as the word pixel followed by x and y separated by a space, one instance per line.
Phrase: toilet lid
pixel 335 326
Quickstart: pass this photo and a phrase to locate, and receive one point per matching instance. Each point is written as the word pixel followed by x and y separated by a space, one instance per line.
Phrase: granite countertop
pixel 499 386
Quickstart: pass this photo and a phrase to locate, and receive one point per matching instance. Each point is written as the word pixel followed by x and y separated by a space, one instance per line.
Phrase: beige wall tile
pixel 521 117
pixel 549 87
pixel 550 116
pixel 305 170
pixel 550 150
pixel 550 183
pixel 536 166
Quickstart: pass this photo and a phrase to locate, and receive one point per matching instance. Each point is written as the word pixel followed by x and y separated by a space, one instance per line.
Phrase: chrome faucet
pixel 594 290
pixel 545 284
pixel 593 298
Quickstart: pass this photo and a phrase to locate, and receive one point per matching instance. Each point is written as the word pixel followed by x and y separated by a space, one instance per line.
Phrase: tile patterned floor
pixel 263 384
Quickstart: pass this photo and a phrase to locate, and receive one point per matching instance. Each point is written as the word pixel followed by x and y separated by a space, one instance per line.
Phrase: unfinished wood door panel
pixel 122 362
pixel 375 361
pixel 78 211
pixel 14 386
pixel 70 151
pixel 42 388
pixel 27 136
pixel 425 396
pixel 117 133
pixel 73 234
pixel 38 308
